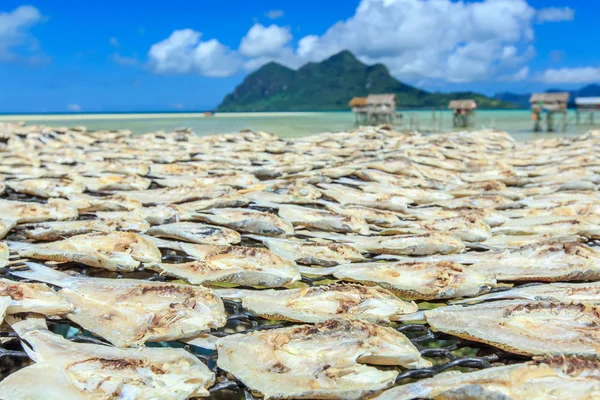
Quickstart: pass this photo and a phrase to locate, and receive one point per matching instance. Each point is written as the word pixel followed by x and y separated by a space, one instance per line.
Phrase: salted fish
pixel 323 220
pixel 309 362
pixel 416 245
pixel 414 280
pixel 469 229
pixel 114 166
pixel 22 211
pixel 49 231
pixel 323 302
pixel 155 215
pixel 109 372
pixel 564 225
pixel 490 217
pixel 5 226
pixel 485 202
pixel 28 383
pixel 581 209
pixel 323 253
pixel 174 195
pixel 564 377
pixel 87 203
pixel 115 251
pixel 524 327
pixel 346 195
pixel 234 179
pixel 247 220
pixel 4 254
pixel 106 182
pixel 383 218
pixel 195 232
pixel 284 192
pixel 417 195
pixel 587 293
pixel 130 312
pixel 246 266
pixel 187 210
pixel 21 297
pixel 46 187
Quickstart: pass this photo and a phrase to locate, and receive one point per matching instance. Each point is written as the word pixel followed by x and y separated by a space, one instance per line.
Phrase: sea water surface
pixel 294 124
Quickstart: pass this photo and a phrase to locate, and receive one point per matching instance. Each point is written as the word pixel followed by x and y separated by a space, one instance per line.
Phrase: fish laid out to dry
pixel 323 253
pixel 465 228
pixel 4 254
pixel 44 187
pixel 323 302
pixel 5 226
pixel 348 196
pixel 56 230
pixel 130 312
pixel 549 261
pixel 321 361
pixel 22 212
pixel 383 218
pixel 416 245
pixel 323 220
pixel 115 251
pixel 414 280
pixel 570 377
pixel 247 220
pixel 20 297
pixel 107 182
pixel 566 225
pixel 246 266
pixel 284 192
pixel 174 195
pixel 104 372
pixel 195 232
pixel 86 203
pixel 187 210
pixel 524 327
pixel 587 293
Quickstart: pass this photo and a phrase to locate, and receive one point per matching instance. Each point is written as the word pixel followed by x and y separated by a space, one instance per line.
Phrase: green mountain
pixel 329 85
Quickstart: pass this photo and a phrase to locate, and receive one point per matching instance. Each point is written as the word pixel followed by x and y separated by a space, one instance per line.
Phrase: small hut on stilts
pixel 462 112
pixel 589 105
pixel 374 109
pixel 551 103
pixel 359 108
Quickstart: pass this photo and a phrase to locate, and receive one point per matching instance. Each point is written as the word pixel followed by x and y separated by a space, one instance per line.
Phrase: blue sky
pixel 59 56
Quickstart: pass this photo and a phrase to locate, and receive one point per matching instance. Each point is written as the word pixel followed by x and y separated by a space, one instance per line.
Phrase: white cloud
pixel 570 75
pixel 554 14
pixel 14 33
pixel 432 40
pixel 114 42
pixel 274 14
pixel 264 41
pixel 74 107
pixel 184 52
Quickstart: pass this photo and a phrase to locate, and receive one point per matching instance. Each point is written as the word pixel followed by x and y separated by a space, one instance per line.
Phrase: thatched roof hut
pixel 587 102
pixel 462 105
pixel 550 101
pixel 358 102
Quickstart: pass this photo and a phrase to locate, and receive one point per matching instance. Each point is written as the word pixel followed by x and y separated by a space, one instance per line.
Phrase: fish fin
pixel 266 204
pixel 34 322
pixel 416 316
pixel 506 294
pixel 39 272
pixel 318 271
pixel 18 245
pixel 30 352
pixel 205 340
pixel 161 243
pixel 257 237
pixel 230 294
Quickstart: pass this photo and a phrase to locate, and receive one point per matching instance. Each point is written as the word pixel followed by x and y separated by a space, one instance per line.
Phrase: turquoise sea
pixel 292 124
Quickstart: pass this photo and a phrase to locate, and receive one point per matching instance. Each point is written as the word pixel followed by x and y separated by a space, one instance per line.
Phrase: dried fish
pixel 196 233
pixel 175 195
pixel 130 312
pixel 247 220
pixel 348 196
pixel 106 182
pixel 323 220
pixel 44 187
pixel 574 377
pixel 308 361
pixel 115 251
pixel 322 253
pixel 414 280
pixel 21 297
pixel 87 203
pixel 109 372
pixel 22 212
pixel 323 302
pixel 48 231
pixel 524 327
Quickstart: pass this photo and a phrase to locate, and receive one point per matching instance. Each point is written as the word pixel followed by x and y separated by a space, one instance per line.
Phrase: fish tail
pixel 34 322
pixel 230 294
pixel 416 316
pixel 18 245
pixel 507 294
pixel 39 272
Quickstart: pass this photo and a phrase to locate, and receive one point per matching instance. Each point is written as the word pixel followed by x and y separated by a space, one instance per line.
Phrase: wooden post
pixel 549 122
pixel 577 116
